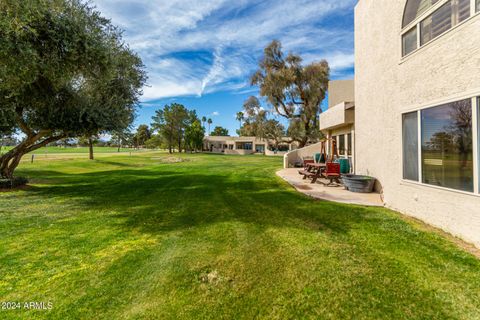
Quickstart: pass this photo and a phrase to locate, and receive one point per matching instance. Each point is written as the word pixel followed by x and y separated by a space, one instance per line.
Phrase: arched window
pixel 415 8
pixel 438 16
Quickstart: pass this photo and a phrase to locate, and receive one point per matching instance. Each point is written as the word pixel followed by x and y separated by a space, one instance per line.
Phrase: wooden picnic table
pixel 317 165
pixel 312 171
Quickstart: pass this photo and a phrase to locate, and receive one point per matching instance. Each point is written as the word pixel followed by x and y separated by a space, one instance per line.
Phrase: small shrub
pixel 13 183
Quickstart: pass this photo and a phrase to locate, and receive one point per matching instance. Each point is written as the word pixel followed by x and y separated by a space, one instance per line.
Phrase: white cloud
pixel 193 47
pixel 215 113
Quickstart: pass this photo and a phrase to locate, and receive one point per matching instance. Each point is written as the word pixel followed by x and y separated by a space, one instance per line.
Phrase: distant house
pixel 246 145
pixel 417 110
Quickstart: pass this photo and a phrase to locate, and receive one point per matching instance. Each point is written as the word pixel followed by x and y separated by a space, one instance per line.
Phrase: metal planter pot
pixel 359 184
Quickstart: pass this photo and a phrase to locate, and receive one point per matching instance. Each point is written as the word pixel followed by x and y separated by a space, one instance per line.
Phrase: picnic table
pixel 312 171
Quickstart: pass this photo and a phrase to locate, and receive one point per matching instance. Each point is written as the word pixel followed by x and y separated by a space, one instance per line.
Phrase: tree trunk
pixel 10 160
pixel 90 148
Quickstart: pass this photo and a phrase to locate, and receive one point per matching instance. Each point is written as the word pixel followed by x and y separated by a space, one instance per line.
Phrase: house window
pixel 341 144
pixel 446 147
pixel 415 8
pixel 409 41
pixel 478 5
pixel 447 153
pixel 437 23
pixel 410 146
pixel 349 144
pixel 442 19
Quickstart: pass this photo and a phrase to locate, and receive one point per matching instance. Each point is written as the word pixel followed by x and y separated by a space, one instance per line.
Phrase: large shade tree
pixel 293 89
pixel 65 72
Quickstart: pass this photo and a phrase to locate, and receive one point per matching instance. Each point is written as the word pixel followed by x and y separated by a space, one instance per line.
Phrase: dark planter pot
pixel 359 184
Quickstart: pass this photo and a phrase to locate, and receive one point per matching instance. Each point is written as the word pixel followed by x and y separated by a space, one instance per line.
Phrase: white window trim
pixel 416 24
pixel 475 142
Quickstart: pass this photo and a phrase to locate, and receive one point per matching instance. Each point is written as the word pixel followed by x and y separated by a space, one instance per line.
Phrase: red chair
pixel 332 173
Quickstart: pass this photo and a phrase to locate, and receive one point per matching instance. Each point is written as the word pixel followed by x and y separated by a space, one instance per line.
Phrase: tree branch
pixel 21 123
pixel 43 143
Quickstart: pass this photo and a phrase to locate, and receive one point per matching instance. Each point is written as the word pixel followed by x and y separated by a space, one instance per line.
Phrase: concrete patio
pixel 330 193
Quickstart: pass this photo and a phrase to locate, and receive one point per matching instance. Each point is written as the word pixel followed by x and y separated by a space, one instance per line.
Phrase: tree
pixel 66 72
pixel 194 135
pixel 209 121
pixel 240 118
pixel 171 122
pixel 220 132
pixel 204 119
pixel 142 135
pixel 89 141
pixel 255 118
pixel 274 131
pixel 156 141
pixel 295 91
pixel 120 138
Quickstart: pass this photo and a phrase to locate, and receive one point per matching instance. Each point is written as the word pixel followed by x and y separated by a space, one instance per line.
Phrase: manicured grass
pixel 216 237
pixel 54 150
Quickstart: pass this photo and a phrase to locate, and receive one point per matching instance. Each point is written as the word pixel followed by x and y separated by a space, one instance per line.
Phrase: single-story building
pixel 247 145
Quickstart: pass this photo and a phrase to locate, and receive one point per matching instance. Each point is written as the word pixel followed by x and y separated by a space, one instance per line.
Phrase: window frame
pixel 416 24
pixel 418 156
pixel 475 99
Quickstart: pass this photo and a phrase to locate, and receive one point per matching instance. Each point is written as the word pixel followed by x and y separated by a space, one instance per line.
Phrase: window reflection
pixel 447 156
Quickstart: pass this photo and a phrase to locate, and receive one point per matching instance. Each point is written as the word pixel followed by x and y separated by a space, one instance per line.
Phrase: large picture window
pixel 446 145
pixel 447 156
pixel 410 146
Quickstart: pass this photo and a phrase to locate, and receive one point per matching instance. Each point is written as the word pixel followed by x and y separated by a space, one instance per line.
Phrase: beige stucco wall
pixel 386 86
pixel 336 116
pixel 290 158
pixel 340 91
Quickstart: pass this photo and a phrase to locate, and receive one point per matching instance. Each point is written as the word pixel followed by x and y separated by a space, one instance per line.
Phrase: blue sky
pixel 202 53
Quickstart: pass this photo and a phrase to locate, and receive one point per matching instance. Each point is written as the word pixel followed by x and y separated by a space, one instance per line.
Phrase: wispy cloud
pixel 195 47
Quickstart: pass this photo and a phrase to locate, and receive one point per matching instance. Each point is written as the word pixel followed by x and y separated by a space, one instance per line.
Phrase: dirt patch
pixel 171 160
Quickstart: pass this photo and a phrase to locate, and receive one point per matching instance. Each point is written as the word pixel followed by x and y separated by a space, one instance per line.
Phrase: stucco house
pixel 247 145
pixel 338 121
pixel 417 89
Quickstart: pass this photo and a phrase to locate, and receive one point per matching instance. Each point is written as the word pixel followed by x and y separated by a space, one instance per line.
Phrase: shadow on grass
pixel 156 201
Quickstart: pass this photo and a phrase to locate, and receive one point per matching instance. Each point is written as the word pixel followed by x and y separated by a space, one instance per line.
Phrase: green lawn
pixel 216 237
pixel 54 150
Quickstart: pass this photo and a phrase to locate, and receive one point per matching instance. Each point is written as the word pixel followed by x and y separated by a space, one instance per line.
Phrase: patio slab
pixel 335 194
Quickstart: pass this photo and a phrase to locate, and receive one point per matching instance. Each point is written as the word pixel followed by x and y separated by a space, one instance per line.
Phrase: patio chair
pixel 332 173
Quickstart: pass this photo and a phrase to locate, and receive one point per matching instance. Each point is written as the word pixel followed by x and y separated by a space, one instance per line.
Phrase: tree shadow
pixel 162 201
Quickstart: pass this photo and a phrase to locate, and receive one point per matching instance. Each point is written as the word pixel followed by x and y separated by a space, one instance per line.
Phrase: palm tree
pixel 204 119
pixel 209 121
pixel 240 117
